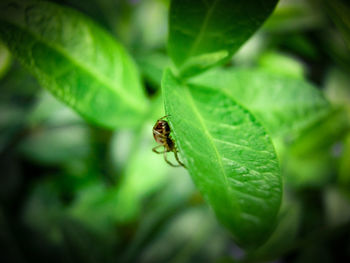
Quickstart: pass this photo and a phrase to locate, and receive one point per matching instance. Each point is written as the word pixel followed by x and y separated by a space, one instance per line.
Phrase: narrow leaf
pixel 339 10
pixel 75 59
pixel 344 166
pixel 229 156
pixel 281 103
pixel 5 60
pixel 205 33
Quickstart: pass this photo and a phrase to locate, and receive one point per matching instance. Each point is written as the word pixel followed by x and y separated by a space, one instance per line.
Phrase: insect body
pixel 161 134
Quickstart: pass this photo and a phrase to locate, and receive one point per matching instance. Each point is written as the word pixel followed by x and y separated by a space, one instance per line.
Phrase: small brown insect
pixel 161 133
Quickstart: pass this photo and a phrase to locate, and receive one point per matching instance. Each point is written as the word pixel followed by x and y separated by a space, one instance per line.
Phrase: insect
pixel 161 134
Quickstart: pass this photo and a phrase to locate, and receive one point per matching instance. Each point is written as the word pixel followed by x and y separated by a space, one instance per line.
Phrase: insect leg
pixel 166 159
pixel 154 149
pixel 164 117
pixel 178 160
pixel 161 135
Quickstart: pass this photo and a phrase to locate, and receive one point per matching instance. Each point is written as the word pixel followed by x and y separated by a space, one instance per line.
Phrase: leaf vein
pixel 202 29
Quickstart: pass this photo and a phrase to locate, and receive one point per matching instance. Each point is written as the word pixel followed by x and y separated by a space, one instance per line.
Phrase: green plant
pixel 240 124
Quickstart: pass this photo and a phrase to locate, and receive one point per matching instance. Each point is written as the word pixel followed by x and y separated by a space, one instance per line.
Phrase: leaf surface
pixel 229 156
pixel 282 104
pixel 152 66
pixel 338 10
pixel 207 32
pixel 5 60
pixel 74 59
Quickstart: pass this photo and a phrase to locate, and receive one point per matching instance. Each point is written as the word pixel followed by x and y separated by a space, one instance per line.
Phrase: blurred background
pixel 72 192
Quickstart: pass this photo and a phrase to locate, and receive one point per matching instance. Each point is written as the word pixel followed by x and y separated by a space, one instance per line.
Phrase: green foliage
pixel 282 64
pixel 264 135
pixel 310 159
pixel 237 173
pixel 57 144
pixel 195 234
pixel 282 104
pixel 135 186
pixel 344 167
pixel 205 33
pixel 87 69
pixel 152 66
pixel 339 11
pixel 277 244
pixel 5 60
pixel 337 88
pixel 56 134
pixel 294 15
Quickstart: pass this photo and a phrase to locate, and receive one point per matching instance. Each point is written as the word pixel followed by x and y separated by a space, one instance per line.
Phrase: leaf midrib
pixel 211 140
pixel 202 29
pixel 100 78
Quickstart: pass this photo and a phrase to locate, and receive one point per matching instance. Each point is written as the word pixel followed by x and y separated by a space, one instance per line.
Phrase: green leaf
pixel 76 60
pixel 281 103
pixel 310 171
pixel 337 87
pixel 344 166
pixel 229 156
pixel 294 16
pixel 208 32
pixel 309 160
pixel 323 134
pixel 152 66
pixel 289 220
pixel 282 64
pixel 5 60
pixel 339 10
